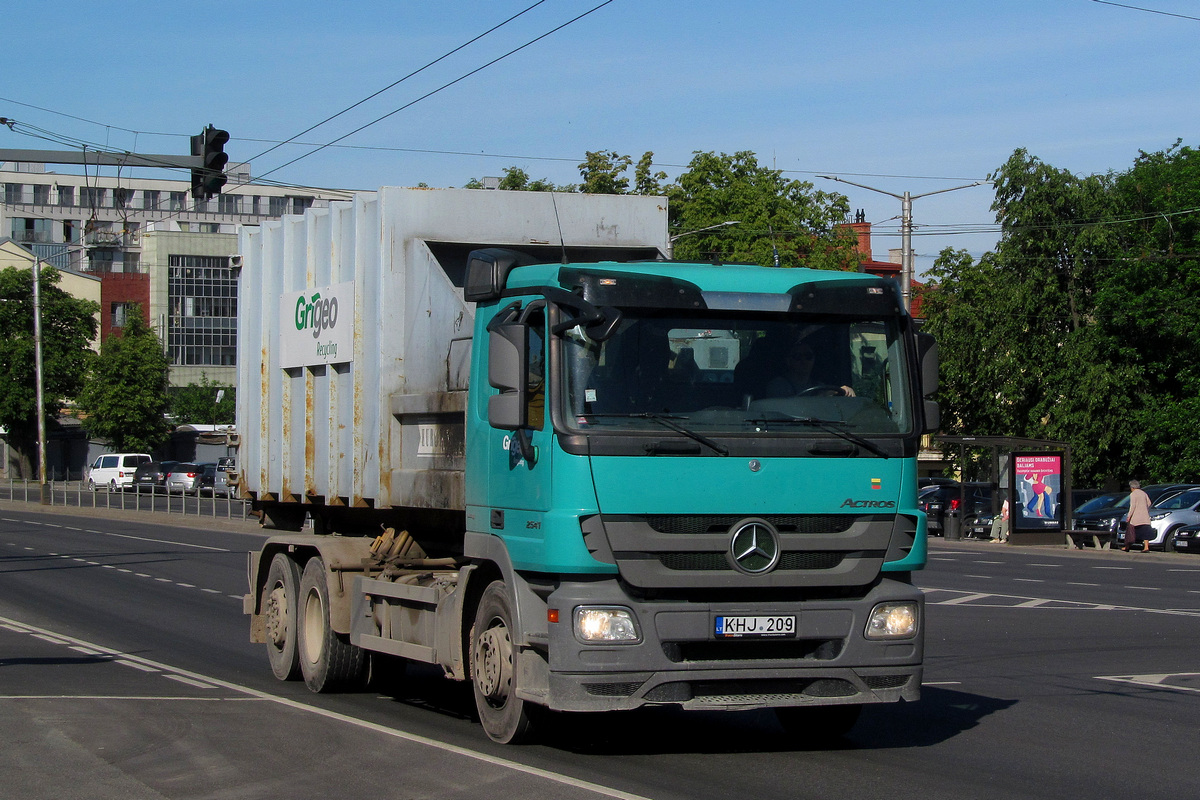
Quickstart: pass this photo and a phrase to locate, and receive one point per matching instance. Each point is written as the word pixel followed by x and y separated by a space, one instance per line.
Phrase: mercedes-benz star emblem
pixel 754 547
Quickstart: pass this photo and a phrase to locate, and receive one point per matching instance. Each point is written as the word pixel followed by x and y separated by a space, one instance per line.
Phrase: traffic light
pixel 208 179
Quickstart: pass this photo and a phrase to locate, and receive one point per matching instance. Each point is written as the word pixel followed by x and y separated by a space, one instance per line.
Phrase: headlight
pixel 605 624
pixel 892 621
pixel 1160 515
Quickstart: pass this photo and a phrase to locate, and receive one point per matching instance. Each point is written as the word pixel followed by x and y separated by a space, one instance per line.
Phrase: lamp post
pixel 41 393
pixel 906 265
pixel 671 240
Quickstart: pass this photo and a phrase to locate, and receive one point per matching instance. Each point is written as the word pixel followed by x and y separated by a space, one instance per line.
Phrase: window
pixel 178 201
pixel 41 194
pixel 32 230
pixel 119 312
pixel 150 199
pixel 300 203
pixel 92 197
pixel 13 192
pixel 66 195
pixel 121 197
pixel 229 204
pixel 278 206
pixel 202 311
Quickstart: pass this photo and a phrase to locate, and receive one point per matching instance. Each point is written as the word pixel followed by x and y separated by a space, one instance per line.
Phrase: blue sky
pixel 902 95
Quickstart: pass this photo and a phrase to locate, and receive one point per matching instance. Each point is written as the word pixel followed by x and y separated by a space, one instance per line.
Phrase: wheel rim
pixel 493 664
pixel 314 627
pixel 277 611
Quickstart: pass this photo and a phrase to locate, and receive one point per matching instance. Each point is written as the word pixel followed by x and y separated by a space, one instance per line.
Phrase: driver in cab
pixel 797 375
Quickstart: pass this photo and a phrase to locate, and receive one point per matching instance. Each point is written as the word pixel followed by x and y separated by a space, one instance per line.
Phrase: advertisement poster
pixel 1037 481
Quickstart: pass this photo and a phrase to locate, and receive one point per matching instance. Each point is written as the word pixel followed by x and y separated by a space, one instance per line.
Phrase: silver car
pixel 1173 513
pixel 184 478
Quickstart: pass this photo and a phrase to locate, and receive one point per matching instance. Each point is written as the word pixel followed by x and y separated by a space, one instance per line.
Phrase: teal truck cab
pixel 638 526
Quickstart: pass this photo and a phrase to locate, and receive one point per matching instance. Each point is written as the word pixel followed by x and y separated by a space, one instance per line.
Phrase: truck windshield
pixel 717 372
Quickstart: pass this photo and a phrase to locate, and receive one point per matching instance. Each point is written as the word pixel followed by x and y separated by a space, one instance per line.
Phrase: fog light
pixel 892 621
pixel 593 624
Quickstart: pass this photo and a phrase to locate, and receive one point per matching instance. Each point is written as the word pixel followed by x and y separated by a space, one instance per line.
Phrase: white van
pixel 114 470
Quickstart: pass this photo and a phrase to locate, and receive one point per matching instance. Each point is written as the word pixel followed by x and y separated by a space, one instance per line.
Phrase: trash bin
pixel 953 528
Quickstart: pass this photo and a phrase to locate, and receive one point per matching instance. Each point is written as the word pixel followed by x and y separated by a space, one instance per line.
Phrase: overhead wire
pixel 445 86
pixel 392 85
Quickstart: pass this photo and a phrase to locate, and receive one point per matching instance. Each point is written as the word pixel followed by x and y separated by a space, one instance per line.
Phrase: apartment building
pixel 152 246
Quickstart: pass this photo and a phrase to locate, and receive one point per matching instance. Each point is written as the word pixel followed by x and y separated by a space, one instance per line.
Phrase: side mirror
pixel 508 345
pixel 927 349
pixel 933 417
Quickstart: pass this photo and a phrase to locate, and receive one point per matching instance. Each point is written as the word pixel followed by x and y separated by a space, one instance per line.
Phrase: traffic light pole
pixel 207 161
pixel 93 158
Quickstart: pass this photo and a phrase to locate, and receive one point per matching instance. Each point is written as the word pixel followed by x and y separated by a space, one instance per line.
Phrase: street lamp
pixel 906 266
pixel 671 240
pixel 41 393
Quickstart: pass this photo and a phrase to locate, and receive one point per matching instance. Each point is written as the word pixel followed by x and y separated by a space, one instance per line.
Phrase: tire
pixel 91 485
pixel 328 661
pixel 280 605
pixel 112 485
pixel 505 717
pixel 1169 540
pixel 818 726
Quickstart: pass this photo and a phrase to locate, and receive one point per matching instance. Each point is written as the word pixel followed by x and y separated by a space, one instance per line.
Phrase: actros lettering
pixel 316 313
pixel 850 502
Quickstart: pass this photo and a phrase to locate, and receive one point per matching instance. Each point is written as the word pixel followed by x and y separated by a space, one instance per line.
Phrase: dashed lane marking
pixel 127 571
pixel 255 694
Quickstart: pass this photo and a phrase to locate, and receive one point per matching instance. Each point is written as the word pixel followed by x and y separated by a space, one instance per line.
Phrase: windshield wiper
pixel 834 426
pixel 668 421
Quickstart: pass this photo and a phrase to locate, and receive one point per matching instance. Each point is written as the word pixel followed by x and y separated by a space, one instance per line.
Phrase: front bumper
pixel 679 660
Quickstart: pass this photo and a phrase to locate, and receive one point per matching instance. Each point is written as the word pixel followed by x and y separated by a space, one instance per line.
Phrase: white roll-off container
pixel 354 339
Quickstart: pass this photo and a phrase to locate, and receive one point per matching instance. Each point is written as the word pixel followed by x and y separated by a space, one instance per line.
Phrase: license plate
pixel 755 627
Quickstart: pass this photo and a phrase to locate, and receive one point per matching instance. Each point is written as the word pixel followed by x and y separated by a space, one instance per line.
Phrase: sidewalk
pixel 176 520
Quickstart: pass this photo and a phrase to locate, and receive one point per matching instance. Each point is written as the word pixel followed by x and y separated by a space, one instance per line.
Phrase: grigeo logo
pixel 317 313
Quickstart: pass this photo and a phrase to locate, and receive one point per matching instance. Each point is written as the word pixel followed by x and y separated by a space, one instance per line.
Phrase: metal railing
pixel 75 494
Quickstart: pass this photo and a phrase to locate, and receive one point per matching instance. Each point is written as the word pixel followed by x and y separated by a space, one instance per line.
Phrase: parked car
pixel 214 481
pixel 1167 516
pixel 151 476
pixel 1112 518
pixel 183 478
pixel 934 499
pixel 114 470
pixel 1186 539
pixel 973 506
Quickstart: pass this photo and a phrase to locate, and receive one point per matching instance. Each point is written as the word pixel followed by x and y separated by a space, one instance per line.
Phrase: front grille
pixel 735 650
pixel 723 523
pixel 885 681
pixel 691 551
pixel 612 689
pixel 717 561
pixel 760 692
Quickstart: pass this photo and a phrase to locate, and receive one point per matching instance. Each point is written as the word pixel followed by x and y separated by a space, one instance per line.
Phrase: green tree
pixel 517 180
pixel 779 220
pixel 603 173
pixel 68 326
pixel 126 397
pixel 205 403
pixel 1081 325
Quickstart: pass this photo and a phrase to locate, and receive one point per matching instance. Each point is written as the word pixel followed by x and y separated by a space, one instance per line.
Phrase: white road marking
pixel 1154 681
pixel 504 763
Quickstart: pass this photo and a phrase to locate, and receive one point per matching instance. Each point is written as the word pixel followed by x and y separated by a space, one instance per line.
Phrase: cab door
pixel 519 469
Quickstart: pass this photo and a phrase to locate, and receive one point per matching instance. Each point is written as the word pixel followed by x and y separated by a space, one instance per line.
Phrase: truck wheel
pixel 327 659
pixel 279 605
pixel 505 716
pixel 817 725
